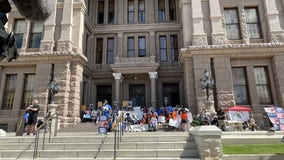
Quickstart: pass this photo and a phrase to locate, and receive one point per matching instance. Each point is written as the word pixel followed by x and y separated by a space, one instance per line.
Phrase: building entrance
pixel 137 94
pixel 171 94
pixel 104 92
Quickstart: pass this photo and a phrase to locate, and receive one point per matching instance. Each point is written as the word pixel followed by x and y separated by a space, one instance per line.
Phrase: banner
pixel 239 115
pixel 276 116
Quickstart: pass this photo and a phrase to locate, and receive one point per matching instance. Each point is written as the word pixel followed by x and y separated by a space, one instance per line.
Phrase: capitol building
pixel 150 52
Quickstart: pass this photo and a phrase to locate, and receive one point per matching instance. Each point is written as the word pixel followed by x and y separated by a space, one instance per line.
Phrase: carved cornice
pixel 231 50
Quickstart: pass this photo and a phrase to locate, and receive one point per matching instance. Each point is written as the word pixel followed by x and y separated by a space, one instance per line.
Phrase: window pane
pixel 232 23
pixel 262 85
pixel 9 92
pixel 19 40
pixel 130 46
pixel 163 48
pixel 174 47
pixel 172 11
pixel 240 85
pixel 99 51
pixel 142 46
pixel 28 91
pixel 20 26
pixel 161 10
pixel 253 24
pixel 130 11
pixel 110 50
pixel 111 11
pixel 141 13
pixel 101 6
pixel 36 35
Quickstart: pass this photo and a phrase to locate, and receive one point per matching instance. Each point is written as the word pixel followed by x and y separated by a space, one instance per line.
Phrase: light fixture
pixel 135 77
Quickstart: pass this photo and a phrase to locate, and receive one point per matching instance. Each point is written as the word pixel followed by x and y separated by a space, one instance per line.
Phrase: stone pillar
pixel 151 6
pixel 47 43
pixel 65 41
pixel 276 34
pixel 223 83
pixel 208 141
pixel 117 78
pixel 199 35
pixel 187 23
pixel 218 31
pixel 153 78
pixel 120 47
pixel 52 110
pixel 278 63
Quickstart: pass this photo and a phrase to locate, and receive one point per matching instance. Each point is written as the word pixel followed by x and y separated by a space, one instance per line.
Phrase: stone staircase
pixel 90 145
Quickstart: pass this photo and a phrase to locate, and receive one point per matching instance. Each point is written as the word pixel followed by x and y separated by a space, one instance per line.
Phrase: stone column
pixel 187 23
pixel 151 6
pixel 199 35
pixel 117 78
pixel 47 43
pixel 276 34
pixel 243 23
pixel 208 141
pixel 153 78
pixel 218 31
pixel 65 41
pixel 119 53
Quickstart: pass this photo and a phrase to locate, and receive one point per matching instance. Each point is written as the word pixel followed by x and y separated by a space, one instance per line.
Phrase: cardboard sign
pixel 100 103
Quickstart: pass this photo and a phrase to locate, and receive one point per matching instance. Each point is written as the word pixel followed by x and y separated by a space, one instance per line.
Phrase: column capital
pixel 117 76
pixel 153 75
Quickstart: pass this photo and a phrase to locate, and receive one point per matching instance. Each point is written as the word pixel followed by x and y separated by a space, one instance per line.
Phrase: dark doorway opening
pixel 104 92
pixel 171 94
pixel 137 94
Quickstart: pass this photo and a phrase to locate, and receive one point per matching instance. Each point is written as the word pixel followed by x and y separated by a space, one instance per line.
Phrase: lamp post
pixel 53 88
pixel 207 83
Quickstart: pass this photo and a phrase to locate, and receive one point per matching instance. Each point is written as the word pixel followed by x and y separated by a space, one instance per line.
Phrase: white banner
pixel 239 115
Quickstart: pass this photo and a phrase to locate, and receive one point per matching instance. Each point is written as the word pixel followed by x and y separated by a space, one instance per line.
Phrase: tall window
pixel 232 23
pixel 36 35
pixel 28 91
pixel 9 92
pixel 111 11
pixel 253 24
pixel 240 85
pixel 174 47
pixel 262 85
pixel 19 29
pixel 142 46
pixel 131 15
pixel 172 11
pixel 101 6
pixel 99 51
pixel 163 48
pixel 130 47
pixel 110 50
pixel 161 10
pixel 141 10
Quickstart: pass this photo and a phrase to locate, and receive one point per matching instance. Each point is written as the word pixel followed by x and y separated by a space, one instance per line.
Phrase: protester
pixel 32 120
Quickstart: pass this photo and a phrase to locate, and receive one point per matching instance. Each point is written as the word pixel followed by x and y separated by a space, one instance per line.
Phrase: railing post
pixel 114 153
pixel 36 145
pixel 56 125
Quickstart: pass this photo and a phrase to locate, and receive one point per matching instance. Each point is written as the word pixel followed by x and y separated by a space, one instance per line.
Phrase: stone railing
pixel 208 141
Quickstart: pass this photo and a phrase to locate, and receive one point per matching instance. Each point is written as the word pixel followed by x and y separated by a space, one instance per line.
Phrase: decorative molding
pixel 153 75
pixel 117 76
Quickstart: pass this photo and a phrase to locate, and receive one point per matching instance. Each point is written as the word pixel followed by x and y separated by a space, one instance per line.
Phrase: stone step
pixel 136 158
pixel 130 153
pixel 107 145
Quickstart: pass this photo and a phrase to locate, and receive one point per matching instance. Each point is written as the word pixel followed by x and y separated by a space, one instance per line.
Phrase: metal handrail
pixel 118 133
pixel 37 137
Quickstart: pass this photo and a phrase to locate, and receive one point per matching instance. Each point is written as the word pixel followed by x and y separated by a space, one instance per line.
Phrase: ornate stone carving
pixel 219 39
pixel 199 40
pixel 277 37
pixel 153 75
pixel 64 46
pixel 117 76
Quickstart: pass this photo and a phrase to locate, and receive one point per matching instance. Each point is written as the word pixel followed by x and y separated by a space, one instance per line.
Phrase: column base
pixel 209 105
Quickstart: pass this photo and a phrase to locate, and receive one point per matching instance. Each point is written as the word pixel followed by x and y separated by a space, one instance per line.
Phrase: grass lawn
pixel 254 149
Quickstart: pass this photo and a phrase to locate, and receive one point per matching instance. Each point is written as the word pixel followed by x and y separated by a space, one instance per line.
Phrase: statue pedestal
pixel 52 110
pixel 210 106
